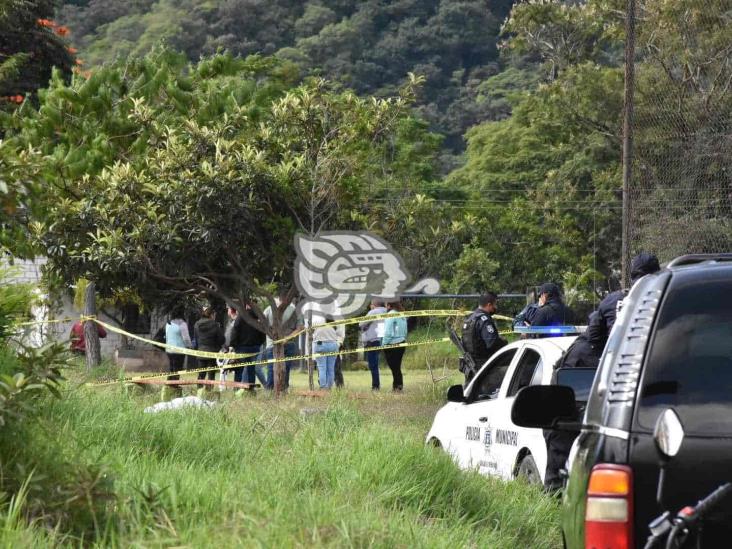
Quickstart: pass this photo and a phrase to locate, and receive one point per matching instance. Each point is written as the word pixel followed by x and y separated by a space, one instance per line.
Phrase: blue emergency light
pixel 552 330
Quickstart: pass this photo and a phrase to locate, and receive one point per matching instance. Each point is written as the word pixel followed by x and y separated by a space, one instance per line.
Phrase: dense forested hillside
pixel 369 46
pixel 528 97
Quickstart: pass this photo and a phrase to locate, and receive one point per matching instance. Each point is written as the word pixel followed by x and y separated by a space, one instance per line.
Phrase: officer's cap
pixel 549 288
pixel 642 265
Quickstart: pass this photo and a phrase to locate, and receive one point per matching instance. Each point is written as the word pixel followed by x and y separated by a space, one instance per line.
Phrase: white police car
pixel 475 425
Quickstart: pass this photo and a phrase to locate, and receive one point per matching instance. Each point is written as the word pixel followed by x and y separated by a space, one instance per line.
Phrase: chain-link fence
pixel 681 186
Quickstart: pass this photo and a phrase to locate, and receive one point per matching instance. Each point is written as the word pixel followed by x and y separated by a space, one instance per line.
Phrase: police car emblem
pixel 488 439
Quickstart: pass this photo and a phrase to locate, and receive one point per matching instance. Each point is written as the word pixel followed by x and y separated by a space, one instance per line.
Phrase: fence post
pixel 629 89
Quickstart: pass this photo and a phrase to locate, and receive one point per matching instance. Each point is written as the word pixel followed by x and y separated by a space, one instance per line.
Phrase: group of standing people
pixel 480 336
pixel 242 337
pixel 481 340
pixel 389 331
pixel 239 337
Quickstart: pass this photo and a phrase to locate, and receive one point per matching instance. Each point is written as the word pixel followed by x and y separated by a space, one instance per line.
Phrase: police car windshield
pixel 689 365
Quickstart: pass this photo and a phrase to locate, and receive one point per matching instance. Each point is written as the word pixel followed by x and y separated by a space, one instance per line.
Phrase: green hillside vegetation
pixel 536 196
pixel 368 46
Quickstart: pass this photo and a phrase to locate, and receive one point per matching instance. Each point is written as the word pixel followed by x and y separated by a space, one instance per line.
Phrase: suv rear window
pixel 689 365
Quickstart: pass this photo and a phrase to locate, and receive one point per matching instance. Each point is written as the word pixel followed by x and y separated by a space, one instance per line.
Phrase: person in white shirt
pixel 326 340
pixel 371 334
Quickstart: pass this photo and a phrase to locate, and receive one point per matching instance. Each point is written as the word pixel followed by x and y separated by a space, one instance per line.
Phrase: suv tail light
pixel 609 511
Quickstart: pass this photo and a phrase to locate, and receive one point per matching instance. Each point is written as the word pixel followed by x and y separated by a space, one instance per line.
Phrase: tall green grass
pixel 254 473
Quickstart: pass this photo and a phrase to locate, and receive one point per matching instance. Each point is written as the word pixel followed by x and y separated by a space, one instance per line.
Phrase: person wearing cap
pixel 598 329
pixel 585 352
pixel 552 310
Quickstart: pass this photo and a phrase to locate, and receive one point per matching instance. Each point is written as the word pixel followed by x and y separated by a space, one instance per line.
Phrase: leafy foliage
pixel 26 372
pixel 31 43
pixel 369 46
pixel 117 115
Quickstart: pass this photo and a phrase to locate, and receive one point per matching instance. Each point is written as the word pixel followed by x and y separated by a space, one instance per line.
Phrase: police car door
pixel 481 409
pixel 508 439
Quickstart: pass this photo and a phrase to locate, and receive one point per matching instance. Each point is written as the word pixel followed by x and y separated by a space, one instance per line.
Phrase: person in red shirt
pixel 78 344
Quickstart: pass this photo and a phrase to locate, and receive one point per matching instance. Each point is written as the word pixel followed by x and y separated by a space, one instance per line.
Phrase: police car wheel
pixel 527 470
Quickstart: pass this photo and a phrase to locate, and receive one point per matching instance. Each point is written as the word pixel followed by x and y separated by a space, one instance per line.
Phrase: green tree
pixel 115 115
pixel 545 180
pixel 368 46
pixel 31 44
pixel 155 163
pixel 215 208
pixel 683 115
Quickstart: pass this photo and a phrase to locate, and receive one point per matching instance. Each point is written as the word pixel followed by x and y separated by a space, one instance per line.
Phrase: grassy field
pixel 346 469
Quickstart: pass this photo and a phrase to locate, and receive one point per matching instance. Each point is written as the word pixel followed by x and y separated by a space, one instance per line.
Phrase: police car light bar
pixel 553 330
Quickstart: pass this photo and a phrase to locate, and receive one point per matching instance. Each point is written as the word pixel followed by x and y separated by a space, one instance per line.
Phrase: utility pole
pixel 629 91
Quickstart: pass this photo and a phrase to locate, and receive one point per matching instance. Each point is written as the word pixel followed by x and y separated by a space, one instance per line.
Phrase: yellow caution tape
pixel 132 379
pixel 233 356
pixel 52 321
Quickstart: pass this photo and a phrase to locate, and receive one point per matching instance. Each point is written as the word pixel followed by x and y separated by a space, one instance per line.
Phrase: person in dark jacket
pixel 244 338
pixel 552 311
pixel 598 330
pixel 480 334
pixel 585 352
pixel 209 336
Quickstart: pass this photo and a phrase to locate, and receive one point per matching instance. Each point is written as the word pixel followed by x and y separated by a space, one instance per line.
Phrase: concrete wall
pixel 29 272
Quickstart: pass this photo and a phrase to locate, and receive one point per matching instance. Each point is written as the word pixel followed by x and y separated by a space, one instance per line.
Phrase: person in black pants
pixel 209 337
pixel 244 339
pixel 395 331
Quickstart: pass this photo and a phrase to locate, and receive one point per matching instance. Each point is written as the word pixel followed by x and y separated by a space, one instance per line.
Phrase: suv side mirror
pixel 455 394
pixel 541 406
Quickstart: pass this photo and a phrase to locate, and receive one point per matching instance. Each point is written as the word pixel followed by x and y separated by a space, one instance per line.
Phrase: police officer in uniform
pixel 480 335
pixel 598 330
pixel 552 310
pixel 585 352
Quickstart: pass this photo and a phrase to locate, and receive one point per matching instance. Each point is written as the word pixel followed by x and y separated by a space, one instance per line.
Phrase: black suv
pixel 669 354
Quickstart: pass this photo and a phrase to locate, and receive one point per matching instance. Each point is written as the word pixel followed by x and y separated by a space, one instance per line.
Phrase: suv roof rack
pixel 692 259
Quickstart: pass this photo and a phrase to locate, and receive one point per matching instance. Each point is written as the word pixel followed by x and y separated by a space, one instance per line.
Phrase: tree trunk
pixel 91 335
pixel 279 369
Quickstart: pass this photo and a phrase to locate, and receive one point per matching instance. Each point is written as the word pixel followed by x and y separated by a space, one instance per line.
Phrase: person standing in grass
pixel 78 343
pixel 209 337
pixel 176 335
pixel 372 333
pixel 395 331
pixel 325 340
pixel 243 338
pixel 339 381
